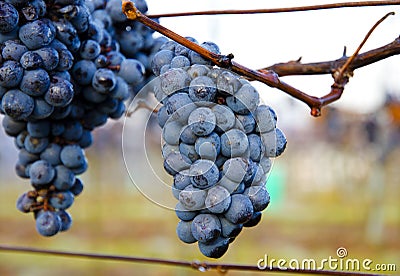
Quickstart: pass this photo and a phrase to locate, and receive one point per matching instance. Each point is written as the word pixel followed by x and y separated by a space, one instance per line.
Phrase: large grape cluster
pixel 218 144
pixel 61 75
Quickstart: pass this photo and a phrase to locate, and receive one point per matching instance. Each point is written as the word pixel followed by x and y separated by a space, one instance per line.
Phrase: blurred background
pixel 336 185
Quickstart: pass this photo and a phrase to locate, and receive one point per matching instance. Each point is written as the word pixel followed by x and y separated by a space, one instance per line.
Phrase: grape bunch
pixel 135 40
pixel 218 144
pixel 61 76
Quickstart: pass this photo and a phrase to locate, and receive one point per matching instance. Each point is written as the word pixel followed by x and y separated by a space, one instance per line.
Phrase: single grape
pixel 72 156
pixel 17 104
pixel 8 17
pixel 52 154
pixel 225 119
pixel 11 74
pixel 77 188
pixel 65 178
pixel 49 56
pixel 160 59
pixel 174 80
pixel 13 49
pixel 202 121
pixel 20 139
pixel 38 33
pixel 241 209
pixel 104 80
pixel 197 70
pixel 234 143
pixel 34 10
pixel 48 223
pixel 62 200
pixel 184 233
pixel 192 198
pixel 89 49
pixel 12 127
pixel 132 71
pixel 214 249
pixel 227 83
pixel 171 132
pixel 83 72
pixel 179 62
pixel 66 220
pixel 256 147
pixel 60 92
pixel 265 118
pixel 66 60
pixel 208 147
pixel 187 135
pixel 121 90
pixel 41 109
pixel 35 145
pixel 202 88
pixel 206 227
pixel 204 174
pixel 245 100
pixel 25 203
pixel 176 162
pixel 258 196
pixel 162 116
pixel 31 60
pixel 41 173
pixel 218 199
pixel 281 142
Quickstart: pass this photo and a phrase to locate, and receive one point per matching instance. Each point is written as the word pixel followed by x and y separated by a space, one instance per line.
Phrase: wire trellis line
pixel 281 10
pixel 198 265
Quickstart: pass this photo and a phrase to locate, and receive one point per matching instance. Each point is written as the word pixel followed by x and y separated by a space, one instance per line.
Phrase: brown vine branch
pixel 328 67
pixel 267 77
pixel 202 266
pixel 281 10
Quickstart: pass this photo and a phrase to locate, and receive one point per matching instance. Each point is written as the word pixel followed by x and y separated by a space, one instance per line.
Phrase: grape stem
pixel 281 10
pixel 266 75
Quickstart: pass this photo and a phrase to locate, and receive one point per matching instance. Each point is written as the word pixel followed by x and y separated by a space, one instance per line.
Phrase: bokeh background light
pixel 337 184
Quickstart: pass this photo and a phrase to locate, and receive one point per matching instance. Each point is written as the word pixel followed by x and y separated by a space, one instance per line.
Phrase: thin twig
pixel 281 10
pixel 343 69
pixel 202 266
pixel 342 75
